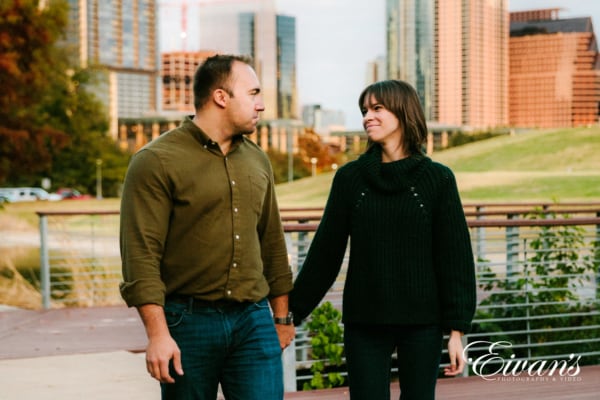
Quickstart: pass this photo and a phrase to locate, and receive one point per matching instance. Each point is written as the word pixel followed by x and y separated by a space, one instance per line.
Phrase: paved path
pixel 97 354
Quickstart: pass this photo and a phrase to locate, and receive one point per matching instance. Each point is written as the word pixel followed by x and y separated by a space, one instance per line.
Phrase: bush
pixel 544 295
pixel 327 334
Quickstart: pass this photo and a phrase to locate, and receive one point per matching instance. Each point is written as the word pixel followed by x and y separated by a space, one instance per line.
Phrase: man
pixel 203 249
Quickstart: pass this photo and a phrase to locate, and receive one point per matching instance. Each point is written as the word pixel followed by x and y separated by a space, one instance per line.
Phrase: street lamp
pixel 313 161
pixel 98 179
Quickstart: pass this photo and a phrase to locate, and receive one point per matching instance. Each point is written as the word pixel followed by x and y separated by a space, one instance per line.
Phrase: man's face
pixel 246 102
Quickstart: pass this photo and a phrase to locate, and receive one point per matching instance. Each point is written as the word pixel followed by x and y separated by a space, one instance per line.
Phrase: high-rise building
pixel 119 37
pixel 322 120
pixel 455 54
pixel 376 70
pixel 554 70
pixel 253 28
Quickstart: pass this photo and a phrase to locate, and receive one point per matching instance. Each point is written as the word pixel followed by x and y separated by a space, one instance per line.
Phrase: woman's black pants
pixel 369 350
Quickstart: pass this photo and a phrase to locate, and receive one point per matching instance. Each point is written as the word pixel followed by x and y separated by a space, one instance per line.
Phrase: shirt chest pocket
pixel 258 191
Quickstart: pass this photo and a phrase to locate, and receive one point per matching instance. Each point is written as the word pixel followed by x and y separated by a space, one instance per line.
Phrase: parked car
pixel 13 195
pixel 72 194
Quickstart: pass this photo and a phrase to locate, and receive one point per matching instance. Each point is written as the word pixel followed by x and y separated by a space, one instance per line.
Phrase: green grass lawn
pixel 552 165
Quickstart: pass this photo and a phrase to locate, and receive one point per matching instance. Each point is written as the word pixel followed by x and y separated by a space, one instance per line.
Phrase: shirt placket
pixel 236 204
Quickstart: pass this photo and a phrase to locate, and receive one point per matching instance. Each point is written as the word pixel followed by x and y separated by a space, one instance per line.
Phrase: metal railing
pixel 537 271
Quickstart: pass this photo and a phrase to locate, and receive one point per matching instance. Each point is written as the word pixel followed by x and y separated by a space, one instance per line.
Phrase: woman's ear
pixel 220 97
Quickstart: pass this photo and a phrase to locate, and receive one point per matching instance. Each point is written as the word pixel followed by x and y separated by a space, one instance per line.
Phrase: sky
pixel 336 39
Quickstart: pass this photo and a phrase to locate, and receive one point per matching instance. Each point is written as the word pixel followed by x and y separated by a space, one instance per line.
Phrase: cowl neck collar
pixel 390 177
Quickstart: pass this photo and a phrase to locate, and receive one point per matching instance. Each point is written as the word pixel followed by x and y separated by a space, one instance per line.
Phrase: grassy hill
pixel 552 165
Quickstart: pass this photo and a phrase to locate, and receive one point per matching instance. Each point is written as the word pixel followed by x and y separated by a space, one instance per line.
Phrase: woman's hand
pixel 455 352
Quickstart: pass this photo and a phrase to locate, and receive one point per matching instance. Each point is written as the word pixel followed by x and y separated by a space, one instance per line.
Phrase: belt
pixel 195 304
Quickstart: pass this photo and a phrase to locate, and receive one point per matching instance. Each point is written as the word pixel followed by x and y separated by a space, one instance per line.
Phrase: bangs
pixel 378 93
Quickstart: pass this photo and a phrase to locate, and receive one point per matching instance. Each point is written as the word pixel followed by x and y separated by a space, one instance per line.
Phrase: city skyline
pixel 332 62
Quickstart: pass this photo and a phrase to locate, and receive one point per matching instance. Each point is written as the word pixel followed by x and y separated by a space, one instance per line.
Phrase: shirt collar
pixel 189 125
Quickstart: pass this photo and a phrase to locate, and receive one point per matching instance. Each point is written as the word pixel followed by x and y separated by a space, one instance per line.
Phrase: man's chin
pixel 246 132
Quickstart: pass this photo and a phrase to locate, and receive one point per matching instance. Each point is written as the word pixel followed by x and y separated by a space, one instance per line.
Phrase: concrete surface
pixel 118 375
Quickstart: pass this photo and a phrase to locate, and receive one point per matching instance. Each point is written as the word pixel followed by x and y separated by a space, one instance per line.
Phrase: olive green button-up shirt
pixel 199 223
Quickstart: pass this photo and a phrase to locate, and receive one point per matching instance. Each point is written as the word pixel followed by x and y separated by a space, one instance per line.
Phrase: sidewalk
pixel 117 375
pixel 73 353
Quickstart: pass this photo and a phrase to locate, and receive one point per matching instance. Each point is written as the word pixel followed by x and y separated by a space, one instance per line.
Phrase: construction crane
pixel 183 6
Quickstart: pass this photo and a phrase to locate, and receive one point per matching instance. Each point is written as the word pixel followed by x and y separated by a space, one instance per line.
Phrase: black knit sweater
pixel 411 261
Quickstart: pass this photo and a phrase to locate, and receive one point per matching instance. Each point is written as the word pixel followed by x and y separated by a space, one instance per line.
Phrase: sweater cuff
pixel 457 325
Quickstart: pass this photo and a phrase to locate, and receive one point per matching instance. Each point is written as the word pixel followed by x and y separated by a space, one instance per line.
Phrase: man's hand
pixel 159 352
pixel 161 347
pixel 455 351
pixel 286 334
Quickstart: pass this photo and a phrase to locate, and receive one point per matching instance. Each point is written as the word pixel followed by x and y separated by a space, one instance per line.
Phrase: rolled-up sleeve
pixel 145 210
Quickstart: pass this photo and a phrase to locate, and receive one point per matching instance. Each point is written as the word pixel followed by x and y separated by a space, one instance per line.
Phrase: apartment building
pixel 177 77
pixel 455 54
pixel 554 70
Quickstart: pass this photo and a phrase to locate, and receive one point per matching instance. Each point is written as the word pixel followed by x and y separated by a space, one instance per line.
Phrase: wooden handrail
pixel 525 211
pixel 488 223
pixel 309 222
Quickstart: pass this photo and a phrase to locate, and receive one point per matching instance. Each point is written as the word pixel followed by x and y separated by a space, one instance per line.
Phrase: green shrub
pixel 548 285
pixel 327 334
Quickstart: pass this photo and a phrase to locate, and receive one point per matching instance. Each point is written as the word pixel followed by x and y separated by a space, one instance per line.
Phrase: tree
pixel 85 121
pixel 50 123
pixel 31 70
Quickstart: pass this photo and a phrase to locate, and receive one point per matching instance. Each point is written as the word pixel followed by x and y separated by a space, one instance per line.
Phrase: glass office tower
pixel 255 29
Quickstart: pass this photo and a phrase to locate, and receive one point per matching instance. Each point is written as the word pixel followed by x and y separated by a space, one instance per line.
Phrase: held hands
pixel 286 334
pixel 455 351
pixel 160 351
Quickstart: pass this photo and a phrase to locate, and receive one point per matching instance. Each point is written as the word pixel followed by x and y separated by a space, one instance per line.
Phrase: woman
pixel 411 271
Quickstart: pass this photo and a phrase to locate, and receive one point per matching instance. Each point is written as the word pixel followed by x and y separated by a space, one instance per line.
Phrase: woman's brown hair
pixel 402 100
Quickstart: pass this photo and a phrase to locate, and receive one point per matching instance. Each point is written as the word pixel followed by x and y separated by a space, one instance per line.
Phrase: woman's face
pixel 380 124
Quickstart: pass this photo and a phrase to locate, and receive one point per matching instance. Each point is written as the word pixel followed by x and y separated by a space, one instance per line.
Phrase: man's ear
pixel 220 97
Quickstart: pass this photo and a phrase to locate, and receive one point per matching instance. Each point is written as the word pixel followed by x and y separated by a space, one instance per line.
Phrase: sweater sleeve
pixel 325 255
pixel 453 257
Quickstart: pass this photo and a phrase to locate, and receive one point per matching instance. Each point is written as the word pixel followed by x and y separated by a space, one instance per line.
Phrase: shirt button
pixel 237 237
pixel 229 293
pixel 233 182
pixel 234 265
pixel 205 146
pixel 235 210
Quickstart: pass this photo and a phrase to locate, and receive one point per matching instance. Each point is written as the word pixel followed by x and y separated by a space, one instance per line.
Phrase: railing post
pixel 480 237
pixel 597 257
pixel 465 342
pixel 44 262
pixel 512 248
pixel 302 248
pixel 289 368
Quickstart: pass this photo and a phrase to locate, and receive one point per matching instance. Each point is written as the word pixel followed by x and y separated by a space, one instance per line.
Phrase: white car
pixel 13 195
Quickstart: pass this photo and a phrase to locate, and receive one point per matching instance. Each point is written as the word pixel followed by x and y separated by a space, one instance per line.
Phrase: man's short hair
pixel 214 73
